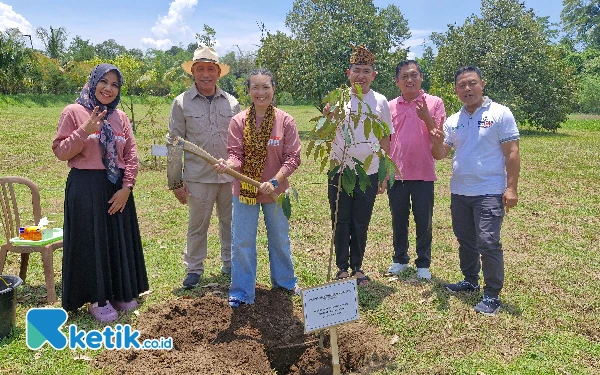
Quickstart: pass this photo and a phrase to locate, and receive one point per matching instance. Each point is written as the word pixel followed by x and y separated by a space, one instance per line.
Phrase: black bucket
pixel 8 303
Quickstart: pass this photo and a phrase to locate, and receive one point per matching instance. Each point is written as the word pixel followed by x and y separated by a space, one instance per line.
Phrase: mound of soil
pixel 209 337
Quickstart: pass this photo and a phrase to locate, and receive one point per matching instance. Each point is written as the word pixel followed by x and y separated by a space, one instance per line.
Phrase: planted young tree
pixel 323 139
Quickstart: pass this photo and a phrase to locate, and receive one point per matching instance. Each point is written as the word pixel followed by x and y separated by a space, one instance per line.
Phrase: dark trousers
pixel 476 222
pixel 403 196
pixel 353 217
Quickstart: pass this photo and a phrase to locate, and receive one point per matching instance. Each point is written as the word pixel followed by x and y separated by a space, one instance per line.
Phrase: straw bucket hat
pixel 205 54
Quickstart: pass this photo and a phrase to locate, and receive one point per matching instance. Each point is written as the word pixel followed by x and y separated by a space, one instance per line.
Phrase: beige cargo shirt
pixel 204 123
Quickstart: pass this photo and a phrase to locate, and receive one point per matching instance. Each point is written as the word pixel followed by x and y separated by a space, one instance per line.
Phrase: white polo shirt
pixel 478 166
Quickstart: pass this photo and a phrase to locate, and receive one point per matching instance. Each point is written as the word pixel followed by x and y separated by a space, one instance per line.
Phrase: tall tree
pixel 312 61
pixel 54 41
pixel 80 49
pixel 581 19
pixel 15 59
pixel 522 69
pixel 109 50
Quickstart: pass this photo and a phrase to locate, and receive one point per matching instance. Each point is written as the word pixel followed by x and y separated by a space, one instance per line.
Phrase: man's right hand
pixel 182 193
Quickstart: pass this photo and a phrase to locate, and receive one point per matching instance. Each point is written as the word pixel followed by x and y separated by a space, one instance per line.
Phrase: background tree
pixel 426 62
pixel 581 19
pixel 109 50
pixel 241 64
pixel 522 69
pixel 192 47
pixel 136 52
pixel 15 60
pixel 54 41
pixel 208 38
pixel 313 60
pixel 81 50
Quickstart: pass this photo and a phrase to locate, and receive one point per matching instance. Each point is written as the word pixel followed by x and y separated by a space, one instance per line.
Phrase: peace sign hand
pixel 94 123
pixel 425 115
pixel 422 109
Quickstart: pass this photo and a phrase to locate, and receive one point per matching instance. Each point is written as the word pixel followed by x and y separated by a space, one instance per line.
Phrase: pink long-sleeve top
pixel 83 151
pixel 283 150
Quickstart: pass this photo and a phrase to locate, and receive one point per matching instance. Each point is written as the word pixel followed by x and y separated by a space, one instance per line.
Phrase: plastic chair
pixel 11 222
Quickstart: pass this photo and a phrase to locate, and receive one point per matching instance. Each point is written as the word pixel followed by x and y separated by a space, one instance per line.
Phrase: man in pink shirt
pixel 414 115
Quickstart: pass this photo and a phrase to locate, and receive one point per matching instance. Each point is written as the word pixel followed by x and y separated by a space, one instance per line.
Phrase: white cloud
pixel 171 27
pixel 161 44
pixel 10 19
pixel 416 33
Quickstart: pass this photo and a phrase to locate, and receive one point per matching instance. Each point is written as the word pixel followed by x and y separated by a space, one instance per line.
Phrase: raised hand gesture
pixel 94 123
pixel 424 115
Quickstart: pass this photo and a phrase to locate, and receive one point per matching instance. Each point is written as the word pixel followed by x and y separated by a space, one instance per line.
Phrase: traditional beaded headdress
pixel 361 56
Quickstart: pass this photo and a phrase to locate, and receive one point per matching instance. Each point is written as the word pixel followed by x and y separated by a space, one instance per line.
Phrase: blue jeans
pixel 476 222
pixel 420 193
pixel 244 227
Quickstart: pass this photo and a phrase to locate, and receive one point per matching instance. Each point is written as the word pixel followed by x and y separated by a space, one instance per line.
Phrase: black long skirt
pixel 103 257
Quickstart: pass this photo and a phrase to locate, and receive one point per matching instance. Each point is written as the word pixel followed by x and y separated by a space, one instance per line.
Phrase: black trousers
pixel 353 217
pixel 418 196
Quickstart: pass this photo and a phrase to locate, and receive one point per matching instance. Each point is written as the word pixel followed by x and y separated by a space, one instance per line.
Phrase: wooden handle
pixel 199 151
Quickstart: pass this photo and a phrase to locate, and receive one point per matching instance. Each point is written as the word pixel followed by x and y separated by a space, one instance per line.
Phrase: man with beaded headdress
pixel 354 211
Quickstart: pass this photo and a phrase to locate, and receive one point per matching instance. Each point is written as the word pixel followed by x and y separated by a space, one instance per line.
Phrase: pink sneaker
pixel 104 314
pixel 125 306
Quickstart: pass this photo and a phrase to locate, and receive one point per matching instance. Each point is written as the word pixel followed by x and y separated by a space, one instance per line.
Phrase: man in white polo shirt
pixel 485 174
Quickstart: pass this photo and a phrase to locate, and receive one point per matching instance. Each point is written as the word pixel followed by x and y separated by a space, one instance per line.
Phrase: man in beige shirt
pixel 201 115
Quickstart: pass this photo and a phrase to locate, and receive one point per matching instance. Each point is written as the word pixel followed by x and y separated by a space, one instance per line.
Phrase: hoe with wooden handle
pixel 200 152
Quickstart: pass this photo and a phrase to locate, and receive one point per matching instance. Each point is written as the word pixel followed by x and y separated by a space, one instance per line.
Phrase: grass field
pixel 550 322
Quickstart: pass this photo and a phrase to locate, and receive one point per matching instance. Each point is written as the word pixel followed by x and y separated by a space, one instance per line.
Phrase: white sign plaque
pixel 330 304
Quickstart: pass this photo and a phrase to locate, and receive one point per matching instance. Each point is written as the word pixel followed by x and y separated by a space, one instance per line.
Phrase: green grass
pixel 550 323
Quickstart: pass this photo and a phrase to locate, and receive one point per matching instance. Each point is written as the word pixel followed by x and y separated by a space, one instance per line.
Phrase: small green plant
pixel 323 139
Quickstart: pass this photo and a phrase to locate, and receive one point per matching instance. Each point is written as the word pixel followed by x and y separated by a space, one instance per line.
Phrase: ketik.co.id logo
pixel 44 325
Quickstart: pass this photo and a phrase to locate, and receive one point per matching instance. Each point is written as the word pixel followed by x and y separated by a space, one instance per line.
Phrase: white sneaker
pixel 396 268
pixel 423 273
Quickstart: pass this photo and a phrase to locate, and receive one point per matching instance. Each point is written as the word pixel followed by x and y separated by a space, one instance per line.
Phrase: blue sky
pixel 162 23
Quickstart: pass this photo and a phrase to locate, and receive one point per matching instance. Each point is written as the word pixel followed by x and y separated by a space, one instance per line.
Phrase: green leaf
pixel 348 181
pixel 377 130
pixel 286 205
pixel 356 161
pixel 367 125
pixel 346 135
pixel 320 123
pixel 367 162
pixel 309 148
pixel 382 170
pixel 323 164
pixel 363 178
pixel 333 171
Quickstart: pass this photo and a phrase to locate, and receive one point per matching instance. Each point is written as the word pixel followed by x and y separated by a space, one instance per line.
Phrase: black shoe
pixel 462 286
pixel 488 306
pixel 191 281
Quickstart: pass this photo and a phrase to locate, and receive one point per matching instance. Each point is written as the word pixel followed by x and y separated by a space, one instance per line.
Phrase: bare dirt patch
pixel 211 338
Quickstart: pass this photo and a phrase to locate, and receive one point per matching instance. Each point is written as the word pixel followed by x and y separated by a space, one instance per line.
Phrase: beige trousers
pixel 201 202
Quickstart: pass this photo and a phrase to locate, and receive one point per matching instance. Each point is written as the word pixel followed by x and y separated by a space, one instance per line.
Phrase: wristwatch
pixel 274 183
